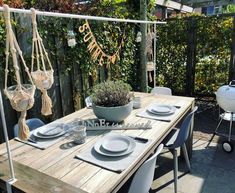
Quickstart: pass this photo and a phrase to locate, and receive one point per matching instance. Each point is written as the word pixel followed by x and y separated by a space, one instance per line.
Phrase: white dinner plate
pixel 161 109
pixel 116 144
pixel 99 147
pixel 54 126
pixel 51 131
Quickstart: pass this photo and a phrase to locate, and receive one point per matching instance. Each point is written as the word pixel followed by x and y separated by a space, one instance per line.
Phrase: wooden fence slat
pixel 232 59
pixel 191 58
pixel 64 80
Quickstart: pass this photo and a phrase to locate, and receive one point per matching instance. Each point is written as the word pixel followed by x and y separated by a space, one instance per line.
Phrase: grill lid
pixel 227 91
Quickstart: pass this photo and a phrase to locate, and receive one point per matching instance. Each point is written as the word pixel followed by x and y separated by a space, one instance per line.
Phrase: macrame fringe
pixel 150 77
pixel 46 104
pixel 23 132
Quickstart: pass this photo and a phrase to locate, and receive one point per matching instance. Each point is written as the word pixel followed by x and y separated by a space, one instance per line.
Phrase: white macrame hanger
pixel 149 51
pixel 43 78
pixel 21 96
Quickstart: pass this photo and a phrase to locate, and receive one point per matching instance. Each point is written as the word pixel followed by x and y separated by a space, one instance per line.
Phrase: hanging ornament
pixel 97 54
pixel 71 39
pixel 139 37
pixel 21 96
pixel 42 77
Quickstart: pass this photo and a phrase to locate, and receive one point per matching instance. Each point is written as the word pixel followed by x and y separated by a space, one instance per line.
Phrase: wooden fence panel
pixel 64 80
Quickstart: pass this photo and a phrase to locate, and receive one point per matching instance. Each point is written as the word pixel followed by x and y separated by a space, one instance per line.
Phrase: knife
pixel 144 140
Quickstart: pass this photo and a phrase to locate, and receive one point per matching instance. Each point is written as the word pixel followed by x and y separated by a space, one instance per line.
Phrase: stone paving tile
pixel 187 182
pixel 224 160
pixel 192 182
pixel 202 153
pixel 219 180
pixel 212 171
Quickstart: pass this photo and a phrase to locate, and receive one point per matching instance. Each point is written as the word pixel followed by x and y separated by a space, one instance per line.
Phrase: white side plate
pixel 57 126
pixel 99 147
pixel 161 109
pixel 116 143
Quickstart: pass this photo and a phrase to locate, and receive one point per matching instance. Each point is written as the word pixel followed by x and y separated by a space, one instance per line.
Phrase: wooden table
pixel 56 170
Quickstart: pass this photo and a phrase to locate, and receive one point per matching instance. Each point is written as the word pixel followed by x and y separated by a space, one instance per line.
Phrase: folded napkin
pixel 146 114
pixel 116 164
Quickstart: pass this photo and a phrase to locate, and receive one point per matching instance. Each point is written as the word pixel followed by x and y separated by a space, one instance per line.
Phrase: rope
pixel 43 79
pixel 21 96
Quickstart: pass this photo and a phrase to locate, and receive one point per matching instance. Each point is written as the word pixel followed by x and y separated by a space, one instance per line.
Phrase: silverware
pixel 144 140
pixel 32 139
pixel 165 120
pixel 176 106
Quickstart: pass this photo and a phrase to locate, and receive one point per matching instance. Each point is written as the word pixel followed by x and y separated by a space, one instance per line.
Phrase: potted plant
pixel 112 100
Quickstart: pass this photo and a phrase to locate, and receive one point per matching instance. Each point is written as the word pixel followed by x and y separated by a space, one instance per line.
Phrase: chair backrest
pixel 184 129
pixel 88 101
pixel 143 178
pixel 161 90
pixel 33 123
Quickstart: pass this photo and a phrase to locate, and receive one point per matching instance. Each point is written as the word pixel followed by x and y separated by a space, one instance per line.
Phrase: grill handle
pixel 232 83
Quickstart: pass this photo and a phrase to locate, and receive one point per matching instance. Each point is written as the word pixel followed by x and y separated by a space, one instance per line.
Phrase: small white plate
pixel 99 147
pixel 38 132
pixel 51 131
pixel 161 109
pixel 116 143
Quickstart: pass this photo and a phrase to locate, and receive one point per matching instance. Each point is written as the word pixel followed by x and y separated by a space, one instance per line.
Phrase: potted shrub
pixel 112 100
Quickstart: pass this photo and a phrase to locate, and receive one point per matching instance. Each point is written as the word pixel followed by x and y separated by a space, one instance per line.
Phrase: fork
pixel 32 139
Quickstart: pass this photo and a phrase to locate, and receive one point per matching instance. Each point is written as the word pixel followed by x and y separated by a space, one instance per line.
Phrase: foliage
pixel 2 47
pixel 214 40
pixel 171 55
pixel 212 58
pixel 111 94
pixel 229 9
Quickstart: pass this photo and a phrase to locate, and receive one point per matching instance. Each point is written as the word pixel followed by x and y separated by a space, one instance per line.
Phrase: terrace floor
pixel 213 170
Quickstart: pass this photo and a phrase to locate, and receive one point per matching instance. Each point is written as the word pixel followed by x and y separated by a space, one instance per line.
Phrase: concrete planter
pixel 113 114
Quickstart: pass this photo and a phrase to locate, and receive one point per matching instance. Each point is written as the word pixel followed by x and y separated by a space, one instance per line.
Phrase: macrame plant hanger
pixel 149 50
pixel 42 77
pixel 21 96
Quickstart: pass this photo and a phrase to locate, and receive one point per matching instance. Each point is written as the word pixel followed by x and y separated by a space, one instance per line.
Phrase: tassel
pixel 46 104
pixel 23 132
pixel 150 77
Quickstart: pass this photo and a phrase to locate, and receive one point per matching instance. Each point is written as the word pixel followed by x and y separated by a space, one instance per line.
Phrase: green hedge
pixel 213 52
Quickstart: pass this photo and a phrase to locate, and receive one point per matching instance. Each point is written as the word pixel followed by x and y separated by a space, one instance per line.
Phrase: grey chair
pixel 33 123
pixel 88 102
pixel 143 178
pixel 176 139
pixel 161 90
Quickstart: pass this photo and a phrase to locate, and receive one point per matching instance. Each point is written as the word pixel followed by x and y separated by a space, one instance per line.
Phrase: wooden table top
pixel 57 165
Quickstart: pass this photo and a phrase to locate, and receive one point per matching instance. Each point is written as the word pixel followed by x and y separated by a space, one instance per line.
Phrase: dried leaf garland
pixel 97 54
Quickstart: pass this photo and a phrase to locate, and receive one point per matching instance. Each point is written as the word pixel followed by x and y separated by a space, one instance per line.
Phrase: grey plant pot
pixel 113 114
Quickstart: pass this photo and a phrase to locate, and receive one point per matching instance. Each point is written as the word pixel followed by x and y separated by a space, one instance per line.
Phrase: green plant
pixel 111 94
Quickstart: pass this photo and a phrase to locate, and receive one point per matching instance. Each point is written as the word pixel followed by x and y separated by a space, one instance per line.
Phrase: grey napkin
pixel 116 164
